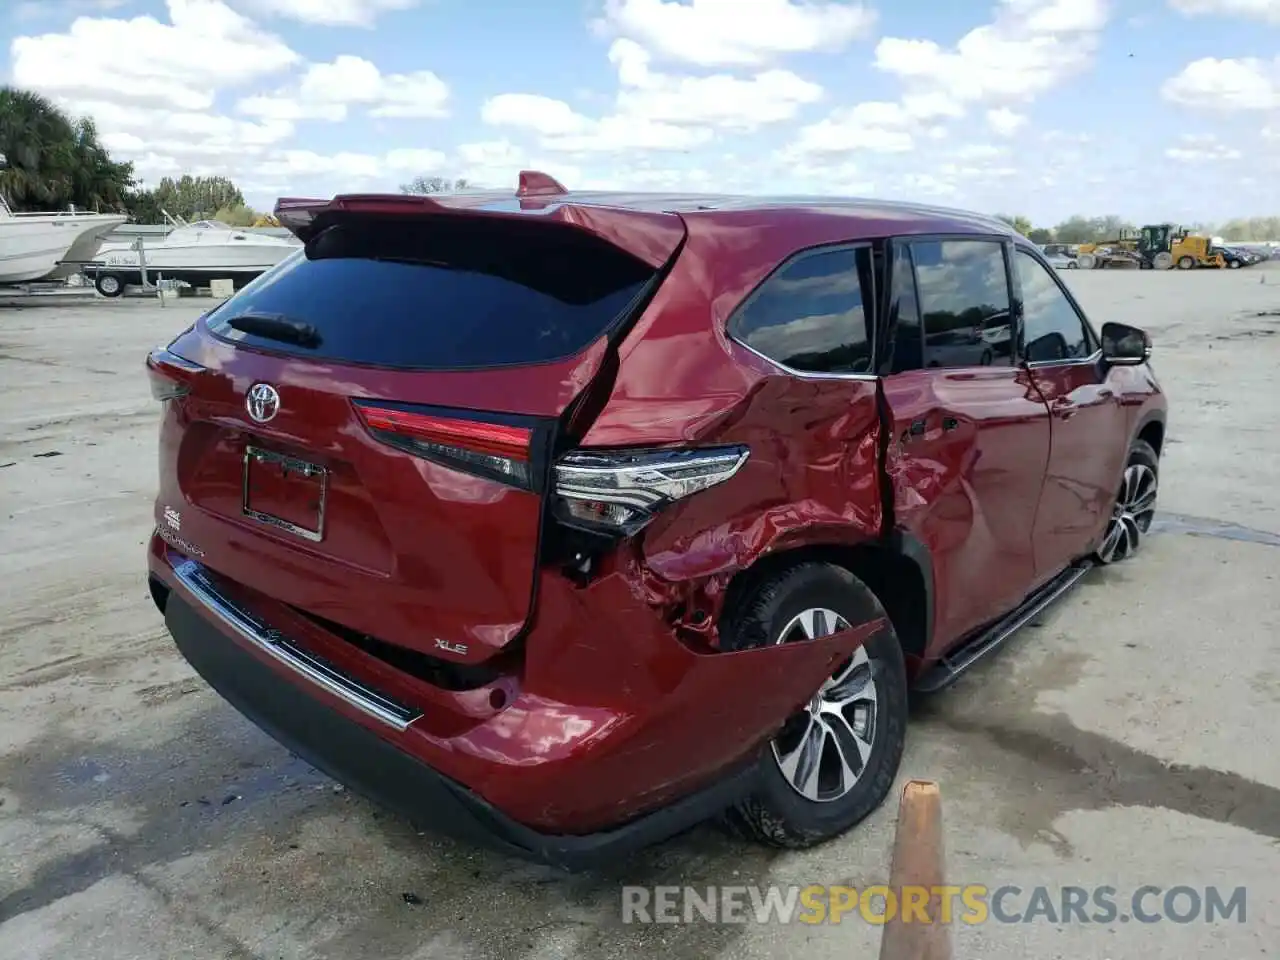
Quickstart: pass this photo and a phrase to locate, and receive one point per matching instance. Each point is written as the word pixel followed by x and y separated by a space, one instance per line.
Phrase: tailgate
pixel 366 431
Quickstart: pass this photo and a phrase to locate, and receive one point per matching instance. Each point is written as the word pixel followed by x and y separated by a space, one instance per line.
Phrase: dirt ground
pixel 1129 738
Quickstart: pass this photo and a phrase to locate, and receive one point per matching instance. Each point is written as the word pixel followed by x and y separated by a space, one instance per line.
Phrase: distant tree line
pixel 1081 229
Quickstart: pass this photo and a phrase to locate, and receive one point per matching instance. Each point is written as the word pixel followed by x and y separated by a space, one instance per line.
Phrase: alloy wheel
pixel 823 750
pixel 1132 515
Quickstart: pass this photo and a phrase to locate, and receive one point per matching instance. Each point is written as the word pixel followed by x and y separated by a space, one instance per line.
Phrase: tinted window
pixel 444 295
pixel 1052 330
pixel 809 315
pixel 908 340
pixel 964 300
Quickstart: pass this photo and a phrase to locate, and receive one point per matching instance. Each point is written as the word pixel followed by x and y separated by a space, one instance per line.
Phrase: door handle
pixel 1064 408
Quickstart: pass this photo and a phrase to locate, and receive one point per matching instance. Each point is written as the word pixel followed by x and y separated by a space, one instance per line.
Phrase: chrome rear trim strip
pixel 273 643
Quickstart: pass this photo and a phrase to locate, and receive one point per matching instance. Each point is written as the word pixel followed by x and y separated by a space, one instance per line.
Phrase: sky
pixel 1156 111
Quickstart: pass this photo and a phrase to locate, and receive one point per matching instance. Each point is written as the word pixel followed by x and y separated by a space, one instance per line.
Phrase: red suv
pixel 565 521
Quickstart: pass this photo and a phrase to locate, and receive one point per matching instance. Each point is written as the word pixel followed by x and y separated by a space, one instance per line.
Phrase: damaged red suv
pixel 563 521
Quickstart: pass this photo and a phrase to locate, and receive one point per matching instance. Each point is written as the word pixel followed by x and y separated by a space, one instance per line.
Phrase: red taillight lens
pixel 170 374
pixel 496 450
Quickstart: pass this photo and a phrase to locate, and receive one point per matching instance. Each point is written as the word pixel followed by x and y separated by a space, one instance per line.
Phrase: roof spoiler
pixel 652 237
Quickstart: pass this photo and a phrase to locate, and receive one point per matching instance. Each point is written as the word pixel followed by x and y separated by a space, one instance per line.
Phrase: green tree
pixel 51 161
pixel 1019 223
pixel 197 198
pixel 1041 235
pixel 426 185
pixel 238 216
pixel 143 207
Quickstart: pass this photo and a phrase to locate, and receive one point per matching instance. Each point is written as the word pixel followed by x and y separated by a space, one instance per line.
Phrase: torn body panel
pixel 965 461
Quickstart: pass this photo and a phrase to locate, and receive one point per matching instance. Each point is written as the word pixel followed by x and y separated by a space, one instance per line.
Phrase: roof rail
pixel 535 183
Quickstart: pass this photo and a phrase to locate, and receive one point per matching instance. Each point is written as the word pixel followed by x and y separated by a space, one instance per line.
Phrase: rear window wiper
pixel 276 326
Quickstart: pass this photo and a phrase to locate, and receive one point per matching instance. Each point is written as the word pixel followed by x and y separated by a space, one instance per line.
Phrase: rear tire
pixel 805 795
pixel 108 284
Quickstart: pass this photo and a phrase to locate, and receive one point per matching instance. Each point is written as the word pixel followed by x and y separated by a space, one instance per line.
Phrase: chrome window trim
pixel 1091 360
pixel 273 643
pixel 802 374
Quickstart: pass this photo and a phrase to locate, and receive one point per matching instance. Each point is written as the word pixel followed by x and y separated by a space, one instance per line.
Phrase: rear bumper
pixel 609 735
pixel 356 756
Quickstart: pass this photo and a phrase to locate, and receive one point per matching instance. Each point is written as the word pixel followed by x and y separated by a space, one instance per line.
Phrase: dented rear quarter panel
pixel 813 473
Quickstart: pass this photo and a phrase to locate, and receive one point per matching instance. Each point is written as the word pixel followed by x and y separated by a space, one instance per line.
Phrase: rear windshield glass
pixel 442 295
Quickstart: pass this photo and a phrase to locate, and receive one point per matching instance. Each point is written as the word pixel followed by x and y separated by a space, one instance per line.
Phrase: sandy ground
pixel 1128 739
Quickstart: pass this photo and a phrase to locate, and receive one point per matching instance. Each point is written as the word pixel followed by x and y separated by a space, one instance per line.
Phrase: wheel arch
pixel 1151 431
pixel 897 569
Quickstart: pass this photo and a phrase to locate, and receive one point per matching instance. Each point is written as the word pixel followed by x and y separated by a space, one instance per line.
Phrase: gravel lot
pixel 1128 739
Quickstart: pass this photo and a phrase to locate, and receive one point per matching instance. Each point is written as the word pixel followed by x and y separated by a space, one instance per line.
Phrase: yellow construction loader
pixel 1166 245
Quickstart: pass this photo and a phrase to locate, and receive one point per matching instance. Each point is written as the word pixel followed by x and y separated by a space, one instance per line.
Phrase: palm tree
pixel 51 161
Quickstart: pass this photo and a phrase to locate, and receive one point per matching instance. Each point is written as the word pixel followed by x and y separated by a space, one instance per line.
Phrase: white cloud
pixel 330 13
pixel 1200 148
pixel 873 126
pixel 1266 10
pixel 656 111
pixel 737 32
pixel 326 91
pixel 1029 48
pixel 719 100
pixel 1226 85
pixel 147 62
pixel 1004 121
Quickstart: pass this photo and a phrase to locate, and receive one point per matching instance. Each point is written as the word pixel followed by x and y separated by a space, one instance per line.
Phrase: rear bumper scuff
pixel 356 756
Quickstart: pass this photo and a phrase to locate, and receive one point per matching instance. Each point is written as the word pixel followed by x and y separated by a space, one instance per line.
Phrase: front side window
pixel 964 301
pixel 1052 329
pixel 812 314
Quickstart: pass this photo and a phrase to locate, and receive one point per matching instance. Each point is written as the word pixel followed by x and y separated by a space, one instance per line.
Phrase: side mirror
pixel 1125 346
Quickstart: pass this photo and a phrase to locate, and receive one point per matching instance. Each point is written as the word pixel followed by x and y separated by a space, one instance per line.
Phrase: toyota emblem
pixel 262 402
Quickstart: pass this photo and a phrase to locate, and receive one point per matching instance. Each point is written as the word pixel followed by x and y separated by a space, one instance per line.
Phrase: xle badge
pixel 459 648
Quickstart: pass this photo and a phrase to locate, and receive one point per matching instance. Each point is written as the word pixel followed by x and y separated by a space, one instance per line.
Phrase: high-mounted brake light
pixel 496 450
pixel 621 491
pixel 170 374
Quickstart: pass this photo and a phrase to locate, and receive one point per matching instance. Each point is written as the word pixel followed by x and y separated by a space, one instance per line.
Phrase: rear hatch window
pixel 439 294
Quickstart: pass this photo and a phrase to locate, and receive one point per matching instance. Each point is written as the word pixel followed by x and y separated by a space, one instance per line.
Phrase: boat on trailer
pixel 37 247
pixel 193 253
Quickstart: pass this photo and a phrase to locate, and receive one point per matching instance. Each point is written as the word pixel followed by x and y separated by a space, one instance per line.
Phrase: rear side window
pixel 444 294
pixel 810 315
pixel 964 301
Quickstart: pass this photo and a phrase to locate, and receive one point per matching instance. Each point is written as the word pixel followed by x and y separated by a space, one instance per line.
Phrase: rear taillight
pixel 495 450
pixel 621 491
pixel 170 374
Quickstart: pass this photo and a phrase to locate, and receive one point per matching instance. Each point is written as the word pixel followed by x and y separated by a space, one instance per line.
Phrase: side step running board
pixel 947 670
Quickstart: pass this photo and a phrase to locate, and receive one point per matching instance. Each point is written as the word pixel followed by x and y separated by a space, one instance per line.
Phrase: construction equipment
pixel 1120 251
pixel 266 220
pixel 1166 245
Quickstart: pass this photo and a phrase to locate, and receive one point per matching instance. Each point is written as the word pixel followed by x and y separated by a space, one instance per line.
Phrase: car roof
pixel 881 217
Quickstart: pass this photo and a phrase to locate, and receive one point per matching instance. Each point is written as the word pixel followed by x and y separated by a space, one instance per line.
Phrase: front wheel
pixel 834 761
pixel 1135 505
pixel 1186 263
pixel 1233 264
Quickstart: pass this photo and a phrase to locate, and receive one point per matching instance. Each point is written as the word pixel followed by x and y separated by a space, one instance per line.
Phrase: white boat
pixel 194 253
pixel 47 246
